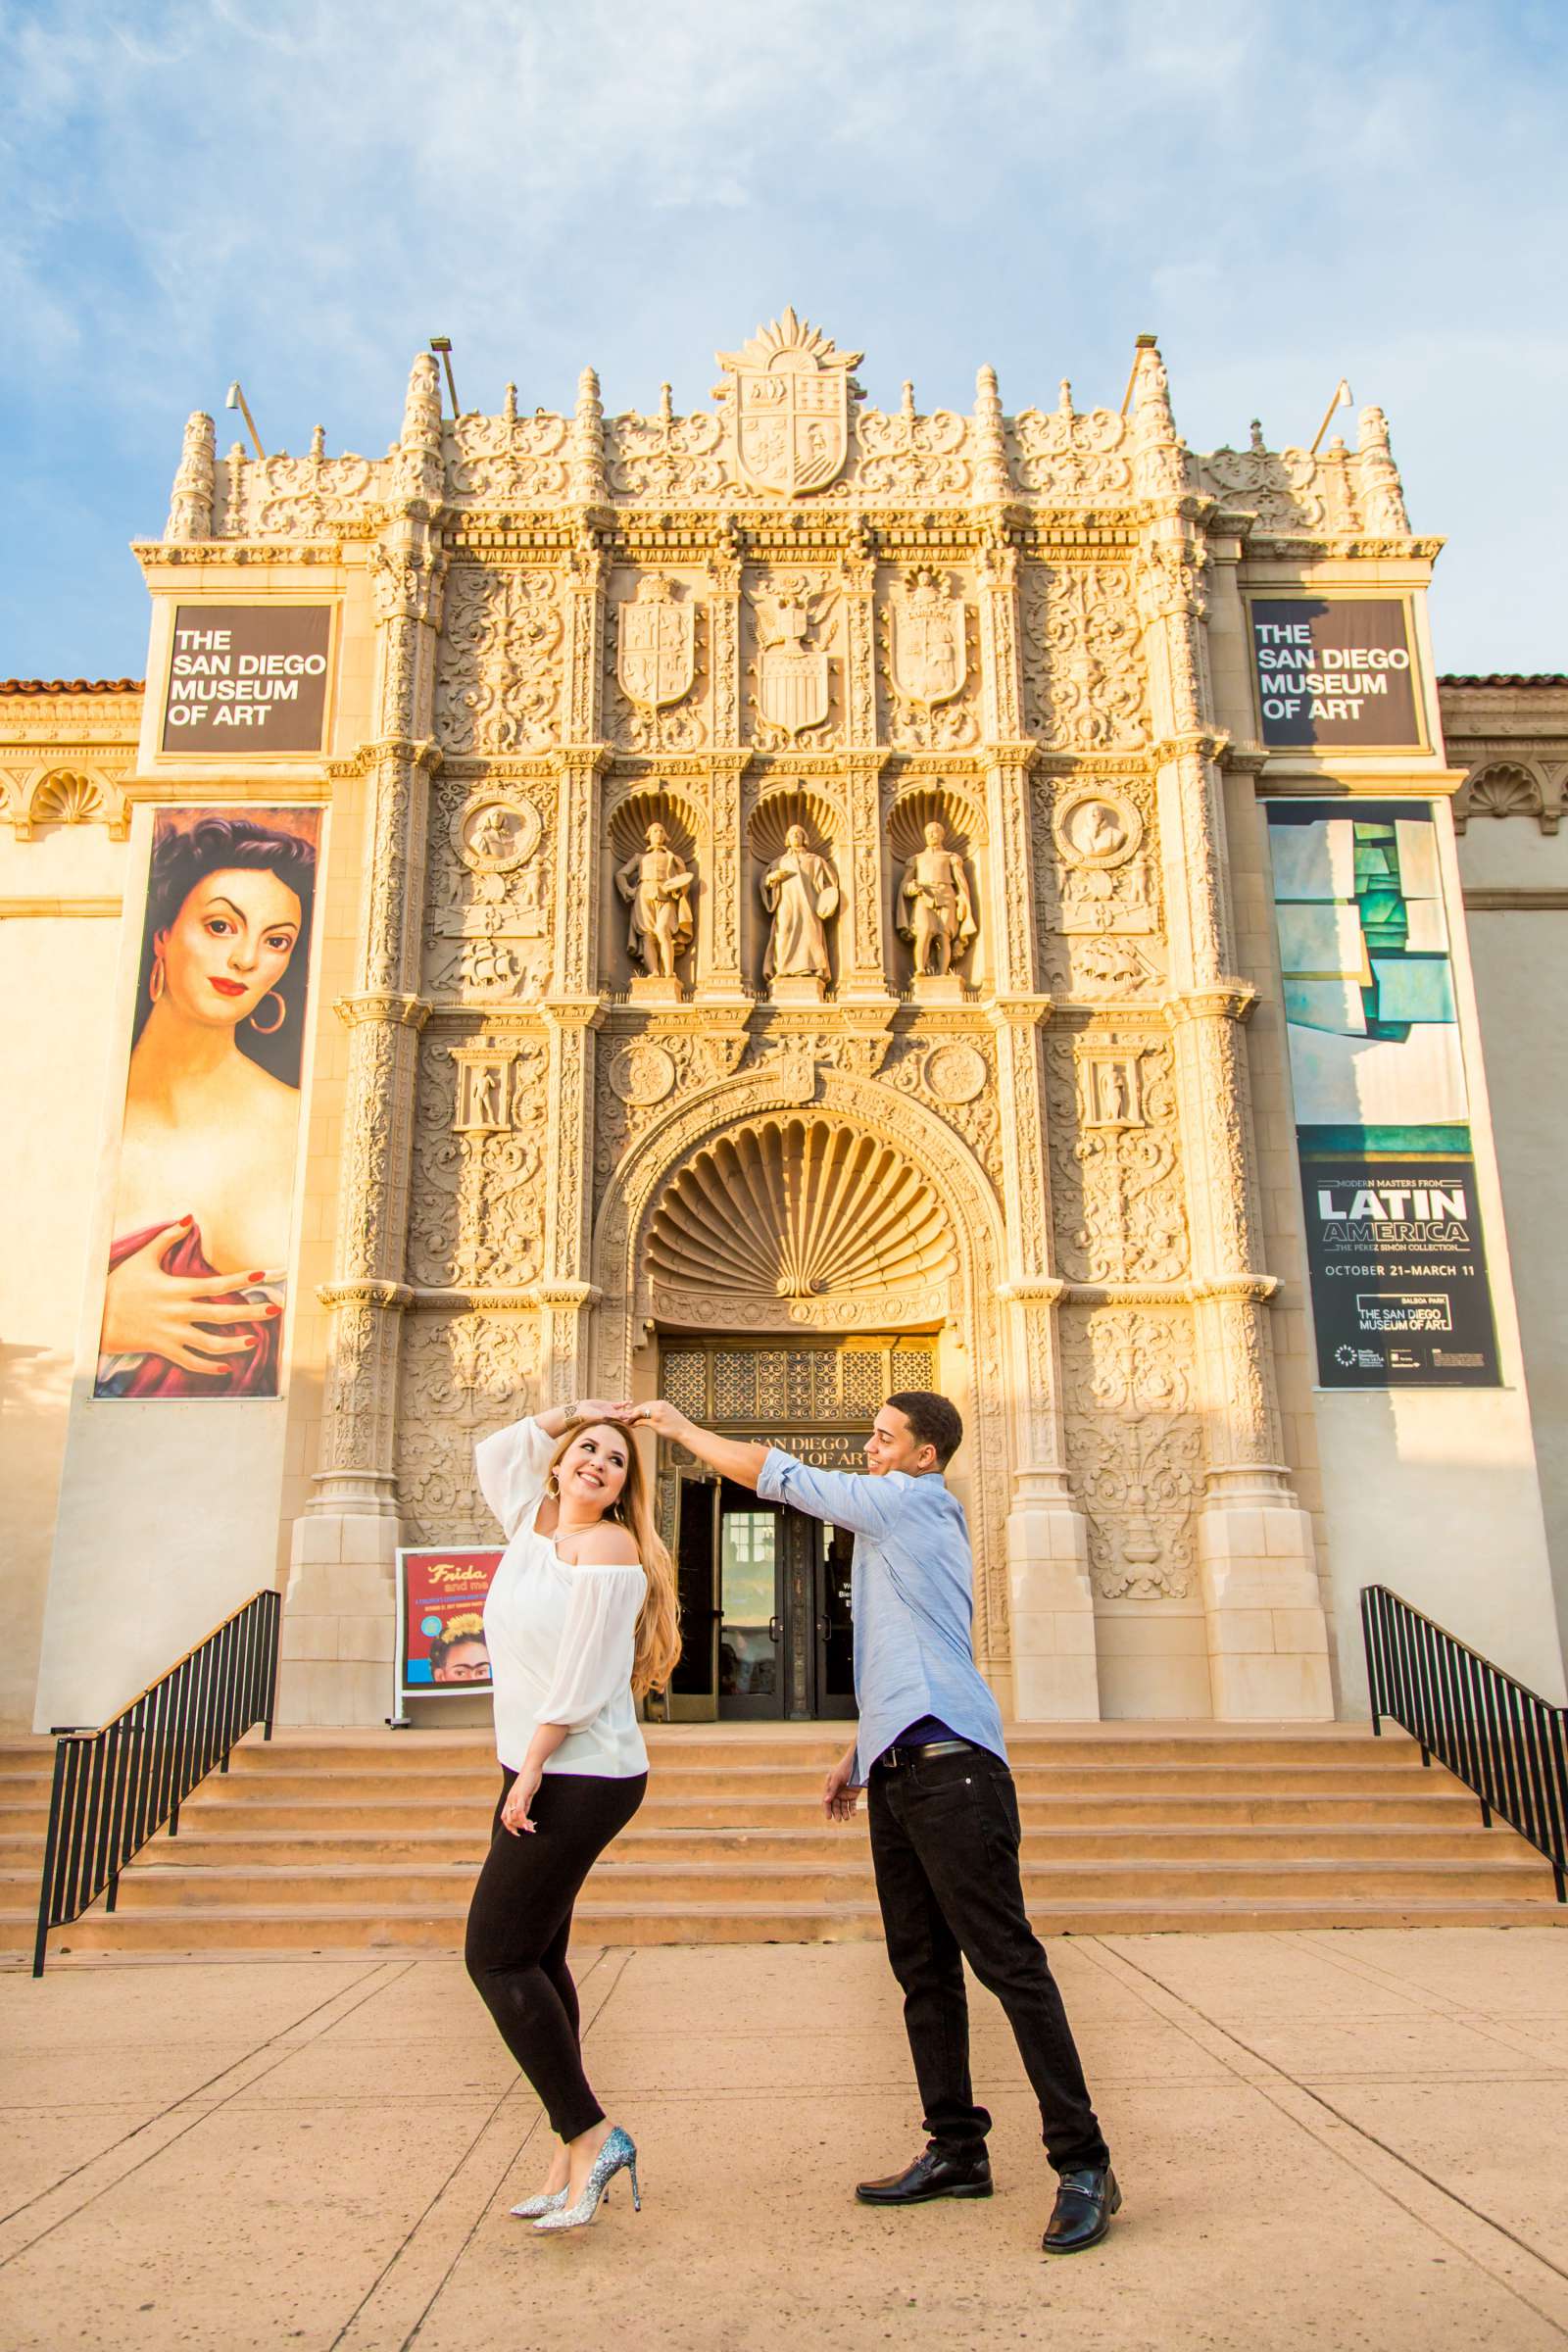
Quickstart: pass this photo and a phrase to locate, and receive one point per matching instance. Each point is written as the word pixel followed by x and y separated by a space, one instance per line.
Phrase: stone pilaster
pixel 1051 1600
pixel 1267 1638
pixel 339 1617
pixel 566 1295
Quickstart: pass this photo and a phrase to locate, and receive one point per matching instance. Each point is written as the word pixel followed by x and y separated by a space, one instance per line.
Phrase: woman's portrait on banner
pixel 204 1194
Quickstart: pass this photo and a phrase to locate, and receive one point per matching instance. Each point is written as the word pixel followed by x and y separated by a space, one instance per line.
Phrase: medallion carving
pixel 1098 911
pixel 486 925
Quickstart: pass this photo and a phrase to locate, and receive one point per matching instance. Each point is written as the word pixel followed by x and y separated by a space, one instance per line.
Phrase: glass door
pixel 694 1685
pixel 750 1629
pixel 835 1626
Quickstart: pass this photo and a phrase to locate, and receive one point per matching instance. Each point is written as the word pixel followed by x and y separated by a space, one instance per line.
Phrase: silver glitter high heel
pixel 548 2200
pixel 619 2150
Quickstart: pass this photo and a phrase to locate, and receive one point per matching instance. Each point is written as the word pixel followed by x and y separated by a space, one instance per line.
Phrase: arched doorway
pixel 794 1220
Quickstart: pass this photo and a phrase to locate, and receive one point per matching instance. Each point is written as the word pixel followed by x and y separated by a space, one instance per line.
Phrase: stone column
pixel 566 1293
pixel 1267 1637
pixel 862 970
pixel 1054 1676
pixel 338 1625
pixel 722 978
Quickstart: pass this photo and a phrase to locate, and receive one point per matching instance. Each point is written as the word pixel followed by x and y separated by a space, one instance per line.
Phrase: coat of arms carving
pixel 792 673
pixel 788 394
pixel 656 651
pixel 927 655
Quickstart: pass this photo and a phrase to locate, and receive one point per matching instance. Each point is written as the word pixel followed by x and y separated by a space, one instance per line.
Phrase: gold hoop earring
pixel 155 980
pixel 552 1485
pixel 270 1028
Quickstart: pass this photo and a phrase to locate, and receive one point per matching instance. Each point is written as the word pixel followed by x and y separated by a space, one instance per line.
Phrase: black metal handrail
pixel 115 1789
pixel 1504 1740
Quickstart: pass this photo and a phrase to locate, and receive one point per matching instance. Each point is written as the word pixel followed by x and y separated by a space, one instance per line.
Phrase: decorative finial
pixel 508 406
pixel 991 484
pixel 422 468
pixel 1383 507
pixel 319 443
pixel 589 486
pixel 190 508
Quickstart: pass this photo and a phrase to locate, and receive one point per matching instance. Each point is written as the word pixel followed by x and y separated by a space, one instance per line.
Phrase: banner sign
pixel 1335 673
pixel 249 677
pixel 441 1596
pixel 1395 1253
pixel 204 1189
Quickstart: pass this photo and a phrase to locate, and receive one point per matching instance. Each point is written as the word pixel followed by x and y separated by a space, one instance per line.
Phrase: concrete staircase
pixel 347 1841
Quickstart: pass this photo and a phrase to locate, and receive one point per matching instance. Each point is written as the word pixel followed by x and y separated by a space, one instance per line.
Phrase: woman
pixel 194 1300
pixel 579 1622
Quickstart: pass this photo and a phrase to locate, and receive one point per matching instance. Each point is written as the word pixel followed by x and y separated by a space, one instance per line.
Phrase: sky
pixel 301 194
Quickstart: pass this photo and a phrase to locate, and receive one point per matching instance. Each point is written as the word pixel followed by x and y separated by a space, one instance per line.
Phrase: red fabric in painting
pixel 252 1373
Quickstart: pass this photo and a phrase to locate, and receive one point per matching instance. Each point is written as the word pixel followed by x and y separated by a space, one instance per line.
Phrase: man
pixel 944 1813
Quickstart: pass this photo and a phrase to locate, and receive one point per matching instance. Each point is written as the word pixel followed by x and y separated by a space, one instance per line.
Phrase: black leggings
pixel 519 1922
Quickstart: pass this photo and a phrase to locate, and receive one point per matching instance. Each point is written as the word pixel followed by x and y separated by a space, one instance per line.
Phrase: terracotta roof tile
pixel 1507 677
pixel 71 685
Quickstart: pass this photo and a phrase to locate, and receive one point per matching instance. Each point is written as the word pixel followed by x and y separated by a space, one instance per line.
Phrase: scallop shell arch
pixel 799 1208
pixel 780 805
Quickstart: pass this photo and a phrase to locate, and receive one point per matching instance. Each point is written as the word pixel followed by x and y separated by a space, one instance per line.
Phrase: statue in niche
pixel 654 883
pixel 801 893
pixel 936 913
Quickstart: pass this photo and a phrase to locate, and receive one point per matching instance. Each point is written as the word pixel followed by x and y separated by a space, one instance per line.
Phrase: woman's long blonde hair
pixel 657 1648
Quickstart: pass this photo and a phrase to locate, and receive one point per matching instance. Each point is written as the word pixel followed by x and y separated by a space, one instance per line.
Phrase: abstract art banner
pixel 1395 1245
pixel 204 1195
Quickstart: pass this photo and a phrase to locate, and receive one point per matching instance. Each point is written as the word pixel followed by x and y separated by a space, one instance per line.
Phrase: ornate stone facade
pixel 1018 1130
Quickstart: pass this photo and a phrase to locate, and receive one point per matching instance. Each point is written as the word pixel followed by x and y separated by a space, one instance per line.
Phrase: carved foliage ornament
pixel 1134 1448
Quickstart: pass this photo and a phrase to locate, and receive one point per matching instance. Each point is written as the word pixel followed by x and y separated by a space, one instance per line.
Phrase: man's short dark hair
pixel 932 1420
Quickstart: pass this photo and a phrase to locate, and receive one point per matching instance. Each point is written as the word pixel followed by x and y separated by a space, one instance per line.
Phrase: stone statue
pixel 654 883
pixel 801 893
pixel 935 910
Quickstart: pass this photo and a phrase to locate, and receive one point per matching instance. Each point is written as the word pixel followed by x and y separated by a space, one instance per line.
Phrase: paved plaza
pixel 1327 2140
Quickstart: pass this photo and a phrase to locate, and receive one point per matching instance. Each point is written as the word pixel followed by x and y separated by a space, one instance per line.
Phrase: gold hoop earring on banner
pixel 155 980
pixel 270 1028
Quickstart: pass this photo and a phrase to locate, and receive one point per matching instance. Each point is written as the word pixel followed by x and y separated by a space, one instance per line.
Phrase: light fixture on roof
pixel 236 400
pixel 442 345
pixel 1341 399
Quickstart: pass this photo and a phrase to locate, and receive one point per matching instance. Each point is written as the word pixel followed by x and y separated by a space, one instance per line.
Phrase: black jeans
pixel 519 1922
pixel 945 1845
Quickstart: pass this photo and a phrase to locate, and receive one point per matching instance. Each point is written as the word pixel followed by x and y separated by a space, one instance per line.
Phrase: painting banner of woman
pixel 204 1194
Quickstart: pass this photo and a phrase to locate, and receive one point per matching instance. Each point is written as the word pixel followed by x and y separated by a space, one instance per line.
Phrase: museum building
pixel 775 905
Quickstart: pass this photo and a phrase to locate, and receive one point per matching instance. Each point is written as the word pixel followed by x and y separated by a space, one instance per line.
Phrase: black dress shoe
pixel 933 2175
pixel 1081 2215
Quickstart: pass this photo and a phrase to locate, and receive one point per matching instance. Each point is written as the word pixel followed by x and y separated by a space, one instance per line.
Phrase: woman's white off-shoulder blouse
pixel 561 1637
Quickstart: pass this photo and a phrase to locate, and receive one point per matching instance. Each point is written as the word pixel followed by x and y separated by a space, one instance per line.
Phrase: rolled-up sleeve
pixel 870 1505
pixel 598 1643
pixel 511 1467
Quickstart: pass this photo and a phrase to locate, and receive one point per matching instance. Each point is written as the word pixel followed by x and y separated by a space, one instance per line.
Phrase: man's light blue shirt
pixel 911 1588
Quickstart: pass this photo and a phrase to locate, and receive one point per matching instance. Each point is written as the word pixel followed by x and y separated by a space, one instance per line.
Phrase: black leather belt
pixel 895 1756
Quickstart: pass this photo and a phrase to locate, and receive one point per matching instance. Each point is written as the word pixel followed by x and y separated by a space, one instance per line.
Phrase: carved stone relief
pixel 1115 1171
pixel 906 456
pixel 927 665
pixel 1070 459
pixel 1134 1448
pixel 1085 678
pixel 795 633
pixel 461 1376
pixel 478 1206
pixel 496 460
pixel 665 456
pixel 498 690
pixel 487 892
pixel 655 648
pixel 1099 907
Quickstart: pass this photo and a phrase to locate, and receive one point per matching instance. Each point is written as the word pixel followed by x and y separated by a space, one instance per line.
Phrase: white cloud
pixel 299 193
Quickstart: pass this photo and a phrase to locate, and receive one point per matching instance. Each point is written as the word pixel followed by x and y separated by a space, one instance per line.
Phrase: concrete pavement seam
pixel 366 1992
pixel 1273 2075
pixel 352 2337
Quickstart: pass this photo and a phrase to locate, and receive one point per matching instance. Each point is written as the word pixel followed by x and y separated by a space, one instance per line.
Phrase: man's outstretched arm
pixel 732 1458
